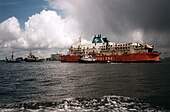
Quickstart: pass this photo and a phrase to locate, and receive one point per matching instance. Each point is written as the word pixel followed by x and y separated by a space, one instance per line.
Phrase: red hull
pixel 69 58
pixel 134 57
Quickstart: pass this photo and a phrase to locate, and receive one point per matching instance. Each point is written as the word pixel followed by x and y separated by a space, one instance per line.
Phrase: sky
pixel 51 26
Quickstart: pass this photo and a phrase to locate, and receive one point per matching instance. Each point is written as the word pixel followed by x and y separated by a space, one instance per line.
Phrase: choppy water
pixel 55 86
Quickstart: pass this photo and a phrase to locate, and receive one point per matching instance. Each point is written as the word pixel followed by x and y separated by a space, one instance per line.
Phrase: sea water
pixel 57 87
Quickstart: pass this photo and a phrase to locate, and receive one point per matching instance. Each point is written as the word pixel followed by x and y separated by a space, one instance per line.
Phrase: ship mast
pixel 12 56
pixel 30 53
pixel 80 38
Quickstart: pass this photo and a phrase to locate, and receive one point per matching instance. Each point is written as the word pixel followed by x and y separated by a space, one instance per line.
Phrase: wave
pixel 102 104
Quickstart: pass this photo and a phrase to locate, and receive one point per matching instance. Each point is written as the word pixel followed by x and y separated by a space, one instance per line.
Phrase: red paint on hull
pixel 133 57
pixel 69 58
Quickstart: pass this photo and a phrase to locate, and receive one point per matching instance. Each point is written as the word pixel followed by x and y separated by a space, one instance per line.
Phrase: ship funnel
pixel 98 35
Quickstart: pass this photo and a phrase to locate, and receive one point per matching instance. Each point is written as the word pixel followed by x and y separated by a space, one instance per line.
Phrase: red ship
pixel 105 51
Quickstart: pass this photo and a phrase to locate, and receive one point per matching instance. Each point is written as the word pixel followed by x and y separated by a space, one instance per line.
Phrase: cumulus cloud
pixel 49 30
pixel 46 30
pixel 11 34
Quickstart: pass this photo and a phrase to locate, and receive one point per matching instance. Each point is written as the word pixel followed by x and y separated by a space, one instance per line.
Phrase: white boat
pixel 32 58
pixel 87 59
pixel 12 59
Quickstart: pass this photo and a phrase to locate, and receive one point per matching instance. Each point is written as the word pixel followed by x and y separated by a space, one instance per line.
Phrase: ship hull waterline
pixel 124 58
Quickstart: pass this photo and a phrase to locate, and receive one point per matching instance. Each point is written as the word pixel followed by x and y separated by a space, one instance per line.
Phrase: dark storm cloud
pixel 117 18
pixel 147 14
pixel 152 16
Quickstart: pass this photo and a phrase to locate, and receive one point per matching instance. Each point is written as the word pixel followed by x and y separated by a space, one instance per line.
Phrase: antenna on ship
pixel 80 38
pixel 30 52
pixel 12 56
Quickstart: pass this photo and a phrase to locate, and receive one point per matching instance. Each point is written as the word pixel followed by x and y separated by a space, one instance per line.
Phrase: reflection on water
pixel 53 81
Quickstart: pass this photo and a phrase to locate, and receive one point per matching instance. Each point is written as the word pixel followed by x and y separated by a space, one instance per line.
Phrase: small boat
pixel 32 58
pixel 13 60
pixel 87 59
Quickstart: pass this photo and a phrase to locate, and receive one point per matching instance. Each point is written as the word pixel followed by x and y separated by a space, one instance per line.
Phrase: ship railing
pixel 157 52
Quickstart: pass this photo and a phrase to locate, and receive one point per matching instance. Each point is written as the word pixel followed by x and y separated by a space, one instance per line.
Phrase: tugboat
pixel 32 58
pixel 13 60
